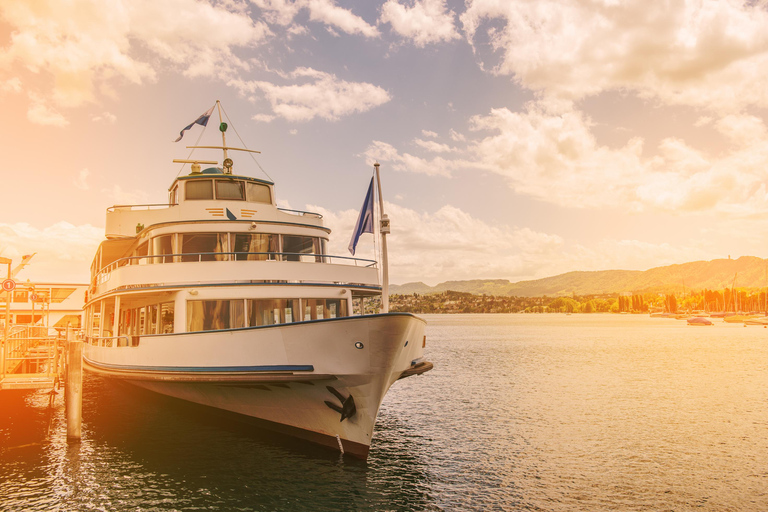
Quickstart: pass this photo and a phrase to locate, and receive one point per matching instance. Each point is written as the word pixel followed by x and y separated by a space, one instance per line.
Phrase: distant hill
pixel 750 272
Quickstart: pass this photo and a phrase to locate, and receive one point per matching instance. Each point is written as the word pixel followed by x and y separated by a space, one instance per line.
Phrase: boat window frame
pixel 196 182
pixel 253 197
pixel 229 181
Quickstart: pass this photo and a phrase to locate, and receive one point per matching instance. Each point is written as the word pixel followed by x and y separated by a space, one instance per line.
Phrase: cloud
pixel 549 152
pixel 382 152
pixel 105 117
pixel 81 47
pixel 64 251
pixel 118 196
pixel 41 113
pixel 709 54
pixel 432 146
pixel 425 22
pixel 82 179
pixel 315 94
pixel 11 85
pixel 283 12
pixel 449 244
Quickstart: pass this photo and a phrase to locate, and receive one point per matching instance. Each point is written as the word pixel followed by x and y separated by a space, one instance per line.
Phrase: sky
pixel 517 139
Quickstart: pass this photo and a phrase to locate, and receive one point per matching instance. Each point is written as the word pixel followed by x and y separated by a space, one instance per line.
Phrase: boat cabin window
pixel 230 189
pixel 161 246
pixel 151 319
pixel 203 246
pixel 212 315
pixel 253 246
pixel 258 193
pixel 141 251
pixel 199 189
pixel 272 311
pixel 295 247
pixel 317 309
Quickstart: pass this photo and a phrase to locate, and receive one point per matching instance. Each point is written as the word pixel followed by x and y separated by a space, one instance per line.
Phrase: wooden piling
pixel 73 391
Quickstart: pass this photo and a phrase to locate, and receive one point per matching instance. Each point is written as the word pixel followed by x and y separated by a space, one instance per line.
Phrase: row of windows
pixel 214 246
pixel 211 315
pixel 151 319
pixel 225 189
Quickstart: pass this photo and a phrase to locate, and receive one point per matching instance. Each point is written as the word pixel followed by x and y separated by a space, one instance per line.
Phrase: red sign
pixel 9 285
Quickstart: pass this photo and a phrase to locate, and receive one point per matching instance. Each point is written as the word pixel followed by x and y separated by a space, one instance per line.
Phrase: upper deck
pixel 205 196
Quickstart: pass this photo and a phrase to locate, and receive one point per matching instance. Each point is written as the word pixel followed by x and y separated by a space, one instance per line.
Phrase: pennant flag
pixel 202 121
pixel 364 220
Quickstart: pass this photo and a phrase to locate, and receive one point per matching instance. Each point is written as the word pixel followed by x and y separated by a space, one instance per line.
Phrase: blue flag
pixel 202 121
pixel 364 220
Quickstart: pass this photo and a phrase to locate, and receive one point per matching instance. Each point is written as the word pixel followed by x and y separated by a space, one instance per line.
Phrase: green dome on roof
pixel 213 170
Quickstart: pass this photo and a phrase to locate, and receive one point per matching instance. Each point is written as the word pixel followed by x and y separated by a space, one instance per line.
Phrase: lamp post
pixel 6 327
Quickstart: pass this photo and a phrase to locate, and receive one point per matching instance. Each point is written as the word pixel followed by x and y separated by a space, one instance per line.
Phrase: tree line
pixel 704 300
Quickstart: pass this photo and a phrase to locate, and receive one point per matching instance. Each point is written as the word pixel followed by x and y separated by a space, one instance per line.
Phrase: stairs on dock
pixel 31 359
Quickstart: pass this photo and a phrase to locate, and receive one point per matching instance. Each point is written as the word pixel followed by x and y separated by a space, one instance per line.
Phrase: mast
pixel 222 129
pixel 383 231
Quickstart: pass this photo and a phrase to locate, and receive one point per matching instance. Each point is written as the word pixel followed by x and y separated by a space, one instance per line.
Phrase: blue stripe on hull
pixel 207 369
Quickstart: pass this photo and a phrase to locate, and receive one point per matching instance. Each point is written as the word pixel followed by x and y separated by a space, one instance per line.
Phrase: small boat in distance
pixel 222 299
pixel 699 320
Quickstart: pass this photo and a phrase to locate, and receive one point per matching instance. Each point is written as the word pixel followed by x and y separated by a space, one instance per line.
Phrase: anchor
pixel 347 409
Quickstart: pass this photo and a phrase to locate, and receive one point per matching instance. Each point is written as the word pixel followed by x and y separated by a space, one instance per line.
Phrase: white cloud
pixel 106 117
pixel 425 22
pixel 432 146
pixel 263 118
pixel 82 46
pixel 82 179
pixel 316 94
pixel 708 54
pixel 41 113
pixel 118 196
pixel 64 251
pixel 449 244
pixel 428 133
pixel 549 152
pixel 283 12
pixel 383 152
pixel 11 85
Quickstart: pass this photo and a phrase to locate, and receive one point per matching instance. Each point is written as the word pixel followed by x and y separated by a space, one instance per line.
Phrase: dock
pixel 31 358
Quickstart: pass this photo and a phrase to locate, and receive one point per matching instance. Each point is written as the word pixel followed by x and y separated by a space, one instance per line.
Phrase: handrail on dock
pixel 30 358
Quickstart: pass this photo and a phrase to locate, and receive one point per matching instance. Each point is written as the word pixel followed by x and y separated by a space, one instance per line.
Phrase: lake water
pixel 522 412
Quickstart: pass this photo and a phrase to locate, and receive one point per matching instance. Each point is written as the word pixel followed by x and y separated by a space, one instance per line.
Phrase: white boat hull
pixel 292 378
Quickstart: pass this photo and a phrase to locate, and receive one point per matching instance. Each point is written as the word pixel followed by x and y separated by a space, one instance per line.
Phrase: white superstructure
pixel 221 298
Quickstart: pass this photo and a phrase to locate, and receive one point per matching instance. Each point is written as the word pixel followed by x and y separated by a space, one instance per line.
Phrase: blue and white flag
pixel 364 220
pixel 202 121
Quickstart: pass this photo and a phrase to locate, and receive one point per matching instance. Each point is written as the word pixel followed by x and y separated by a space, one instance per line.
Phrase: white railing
pixel 104 274
pixel 139 207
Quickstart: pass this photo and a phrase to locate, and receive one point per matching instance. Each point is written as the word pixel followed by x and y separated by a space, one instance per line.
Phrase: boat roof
pixel 219 172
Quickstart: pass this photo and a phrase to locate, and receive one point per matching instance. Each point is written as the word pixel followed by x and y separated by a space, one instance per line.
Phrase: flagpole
pixel 223 135
pixel 383 230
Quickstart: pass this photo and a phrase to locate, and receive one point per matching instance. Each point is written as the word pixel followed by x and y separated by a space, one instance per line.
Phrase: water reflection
pixel 142 450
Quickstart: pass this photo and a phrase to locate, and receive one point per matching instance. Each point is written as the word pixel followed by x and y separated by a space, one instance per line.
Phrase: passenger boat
pixel 223 299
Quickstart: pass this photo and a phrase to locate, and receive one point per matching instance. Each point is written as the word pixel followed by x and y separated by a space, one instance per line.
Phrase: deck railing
pixel 31 352
pixel 103 275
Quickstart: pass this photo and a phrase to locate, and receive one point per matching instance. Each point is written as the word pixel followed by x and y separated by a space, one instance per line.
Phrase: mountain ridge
pixel 749 271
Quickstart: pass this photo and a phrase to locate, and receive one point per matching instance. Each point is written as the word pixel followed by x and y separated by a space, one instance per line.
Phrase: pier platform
pixel 31 358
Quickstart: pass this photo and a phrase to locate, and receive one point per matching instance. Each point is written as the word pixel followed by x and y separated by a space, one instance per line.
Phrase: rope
pixel 197 142
pixel 245 146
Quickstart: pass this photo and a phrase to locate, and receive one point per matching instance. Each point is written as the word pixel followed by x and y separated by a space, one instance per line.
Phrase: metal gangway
pixel 31 358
